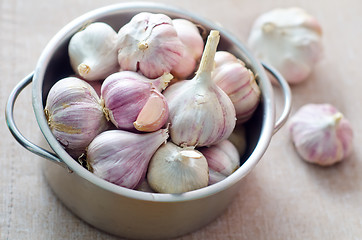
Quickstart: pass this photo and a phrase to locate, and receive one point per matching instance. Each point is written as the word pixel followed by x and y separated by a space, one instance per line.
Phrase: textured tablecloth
pixel 282 198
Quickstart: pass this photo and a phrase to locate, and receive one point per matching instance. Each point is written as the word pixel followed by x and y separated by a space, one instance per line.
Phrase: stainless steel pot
pixel 129 213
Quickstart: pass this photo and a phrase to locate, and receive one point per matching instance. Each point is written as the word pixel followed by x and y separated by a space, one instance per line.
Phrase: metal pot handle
pixel 287 96
pixel 9 115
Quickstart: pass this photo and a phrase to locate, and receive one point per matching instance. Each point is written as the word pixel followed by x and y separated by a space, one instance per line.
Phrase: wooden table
pixel 282 198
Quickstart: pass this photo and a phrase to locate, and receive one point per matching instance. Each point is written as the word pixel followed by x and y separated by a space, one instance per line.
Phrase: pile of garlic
pixel 142 126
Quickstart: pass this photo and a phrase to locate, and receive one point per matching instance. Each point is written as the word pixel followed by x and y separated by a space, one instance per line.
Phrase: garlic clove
pixel 173 169
pixel 122 157
pixel 238 139
pixel 289 39
pixel 194 45
pixel 149 44
pixel 93 51
pixel 223 159
pixel 321 134
pixel 238 82
pixel 74 114
pixel 200 113
pixel 154 113
pixel 126 93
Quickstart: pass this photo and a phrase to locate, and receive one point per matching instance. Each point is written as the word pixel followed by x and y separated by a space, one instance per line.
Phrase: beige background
pixel 283 198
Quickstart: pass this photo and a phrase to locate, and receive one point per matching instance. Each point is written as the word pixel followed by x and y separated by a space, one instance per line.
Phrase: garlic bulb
pixel 122 157
pixel 149 44
pixel 134 101
pixel 93 51
pixel 288 39
pixel 321 134
pixel 223 159
pixel 194 45
pixel 201 114
pixel 174 169
pixel 74 114
pixel 238 82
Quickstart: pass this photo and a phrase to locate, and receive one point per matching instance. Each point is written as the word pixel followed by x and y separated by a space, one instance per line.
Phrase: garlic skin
pixel 290 40
pixel 93 51
pixel 238 82
pixel 200 113
pixel 74 114
pixel 223 159
pixel 194 46
pixel 321 134
pixel 173 169
pixel 122 157
pixel 125 95
pixel 149 44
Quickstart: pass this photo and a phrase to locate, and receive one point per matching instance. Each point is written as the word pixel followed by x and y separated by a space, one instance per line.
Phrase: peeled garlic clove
pixel 223 159
pixel 321 134
pixel 174 169
pixel 238 82
pixel 149 44
pixel 288 39
pixel 126 93
pixel 201 114
pixel 194 45
pixel 74 113
pixel 122 157
pixel 93 51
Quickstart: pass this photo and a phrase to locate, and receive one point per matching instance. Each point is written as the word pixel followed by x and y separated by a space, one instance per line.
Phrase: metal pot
pixel 130 213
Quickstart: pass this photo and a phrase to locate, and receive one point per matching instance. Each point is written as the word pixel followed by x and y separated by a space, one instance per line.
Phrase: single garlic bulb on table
pixel 174 169
pixel 238 82
pixel 288 39
pixel 122 157
pixel 200 113
pixel 321 134
pixel 149 44
pixel 93 51
pixel 74 113
pixel 132 101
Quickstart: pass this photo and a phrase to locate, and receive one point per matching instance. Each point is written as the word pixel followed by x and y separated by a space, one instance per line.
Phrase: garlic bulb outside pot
pixel 149 44
pixel 74 113
pixel 174 169
pixel 289 39
pixel 200 113
pixel 122 157
pixel 128 94
pixel 194 46
pixel 238 82
pixel 93 51
pixel 223 159
pixel 321 134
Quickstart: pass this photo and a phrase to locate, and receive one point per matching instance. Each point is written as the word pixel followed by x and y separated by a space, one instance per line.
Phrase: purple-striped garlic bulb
pixel 174 169
pixel 201 114
pixel 238 82
pixel 223 159
pixel 149 44
pixel 194 46
pixel 74 114
pixel 321 134
pixel 132 101
pixel 122 157
pixel 93 51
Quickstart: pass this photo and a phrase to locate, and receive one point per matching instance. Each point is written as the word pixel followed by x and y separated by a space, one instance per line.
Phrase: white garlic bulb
pixel 223 159
pixel 93 51
pixel 122 157
pixel 321 134
pixel 288 39
pixel 74 113
pixel 174 169
pixel 238 82
pixel 200 113
pixel 149 44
